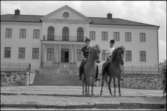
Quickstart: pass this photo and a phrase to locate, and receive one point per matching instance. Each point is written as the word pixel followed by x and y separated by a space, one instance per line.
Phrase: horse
pixel 113 71
pixel 88 76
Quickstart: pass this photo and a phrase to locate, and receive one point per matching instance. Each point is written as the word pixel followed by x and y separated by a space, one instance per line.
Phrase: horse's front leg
pixel 119 89
pixel 92 89
pixel 83 88
pixel 102 84
pixel 114 86
pixel 88 90
pixel 109 85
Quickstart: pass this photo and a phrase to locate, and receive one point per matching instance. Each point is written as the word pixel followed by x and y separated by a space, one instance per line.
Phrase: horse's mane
pixel 93 48
pixel 115 53
pixel 96 47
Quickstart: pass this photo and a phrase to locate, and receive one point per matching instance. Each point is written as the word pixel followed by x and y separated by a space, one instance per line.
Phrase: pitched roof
pixel 21 18
pixel 93 20
pixel 117 21
pixel 69 8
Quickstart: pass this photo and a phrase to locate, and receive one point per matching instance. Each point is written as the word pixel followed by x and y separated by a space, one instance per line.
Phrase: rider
pixel 109 57
pixel 111 49
pixel 85 51
pixel 109 54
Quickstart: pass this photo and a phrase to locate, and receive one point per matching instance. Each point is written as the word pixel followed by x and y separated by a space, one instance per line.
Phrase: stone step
pixel 62 74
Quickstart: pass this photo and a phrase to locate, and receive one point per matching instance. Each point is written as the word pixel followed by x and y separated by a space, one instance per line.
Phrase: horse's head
pixel 94 52
pixel 118 54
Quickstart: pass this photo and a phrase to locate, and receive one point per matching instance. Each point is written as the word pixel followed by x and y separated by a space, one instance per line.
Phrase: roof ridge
pixel 135 21
pixel 22 15
pixel 94 20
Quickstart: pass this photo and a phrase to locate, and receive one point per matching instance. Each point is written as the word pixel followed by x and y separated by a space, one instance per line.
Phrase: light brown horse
pixel 113 71
pixel 88 78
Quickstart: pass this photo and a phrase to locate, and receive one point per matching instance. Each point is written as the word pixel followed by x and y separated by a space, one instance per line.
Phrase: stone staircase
pixel 58 74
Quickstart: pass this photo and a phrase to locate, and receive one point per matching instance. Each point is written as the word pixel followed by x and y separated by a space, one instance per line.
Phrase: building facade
pixel 59 36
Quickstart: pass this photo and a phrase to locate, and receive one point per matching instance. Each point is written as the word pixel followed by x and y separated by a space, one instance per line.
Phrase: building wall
pixel 15 43
pixel 150 46
pixel 59 26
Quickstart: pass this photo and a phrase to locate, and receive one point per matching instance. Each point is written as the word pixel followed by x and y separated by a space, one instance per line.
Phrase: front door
pixel 64 55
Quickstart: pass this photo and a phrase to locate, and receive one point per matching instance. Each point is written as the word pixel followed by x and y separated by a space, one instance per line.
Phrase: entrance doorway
pixel 64 55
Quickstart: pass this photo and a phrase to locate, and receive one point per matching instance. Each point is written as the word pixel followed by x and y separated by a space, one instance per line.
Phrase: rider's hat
pixel 112 41
pixel 87 40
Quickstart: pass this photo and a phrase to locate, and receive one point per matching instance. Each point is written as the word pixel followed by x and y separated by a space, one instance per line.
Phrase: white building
pixel 58 37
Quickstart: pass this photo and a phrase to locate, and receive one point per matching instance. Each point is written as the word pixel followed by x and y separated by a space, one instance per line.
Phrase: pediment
pixel 65 13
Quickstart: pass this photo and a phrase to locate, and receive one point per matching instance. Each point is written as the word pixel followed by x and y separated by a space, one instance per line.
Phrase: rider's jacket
pixel 85 51
pixel 109 52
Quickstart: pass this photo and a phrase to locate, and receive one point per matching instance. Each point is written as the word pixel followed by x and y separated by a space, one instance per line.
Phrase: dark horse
pixel 113 71
pixel 88 76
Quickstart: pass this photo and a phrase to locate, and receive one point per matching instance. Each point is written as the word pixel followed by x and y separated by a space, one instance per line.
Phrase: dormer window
pixel 65 14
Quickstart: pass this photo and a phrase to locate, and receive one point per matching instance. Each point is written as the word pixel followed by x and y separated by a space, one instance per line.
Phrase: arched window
pixel 65 34
pixel 80 34
pixel 50 35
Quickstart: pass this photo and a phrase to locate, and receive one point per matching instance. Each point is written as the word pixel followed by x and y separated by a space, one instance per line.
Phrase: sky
pixel 151 12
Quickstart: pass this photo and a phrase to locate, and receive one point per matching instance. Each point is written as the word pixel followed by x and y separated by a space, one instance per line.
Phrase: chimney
pixel 17 12
pixel 109 16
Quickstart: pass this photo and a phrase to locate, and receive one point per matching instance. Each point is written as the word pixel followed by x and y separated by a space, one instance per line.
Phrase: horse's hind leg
pixel 86 89
pixel 102 84
pixel 92 89
pixel 83 88
pixel 109 86
pixel 119 87
pixel 114 86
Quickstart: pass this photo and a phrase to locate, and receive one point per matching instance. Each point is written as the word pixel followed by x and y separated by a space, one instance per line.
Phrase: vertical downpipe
pixel 157 49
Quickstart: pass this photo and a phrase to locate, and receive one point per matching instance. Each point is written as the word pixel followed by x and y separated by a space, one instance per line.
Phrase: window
pixel 103 54
pixel 128 55
pixel 36 34
pixel 65 55
pixel 142 37
pixel 65 34
pixel 79 54
pixel 22 33
pixel 116 36
pixel 104 36
pixel 143 56
pixel 128 36
pixel 21 53
pixel 80 34
pixel 50 35
pixel 35 53
pixel 65 14
pixel 8 33
pixel 7 53
pixel 50 53
pixel 92 35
